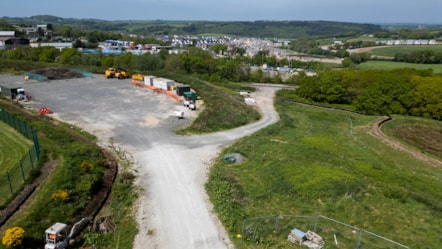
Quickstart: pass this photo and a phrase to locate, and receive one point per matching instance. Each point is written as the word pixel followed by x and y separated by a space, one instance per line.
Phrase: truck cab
pixel 56 236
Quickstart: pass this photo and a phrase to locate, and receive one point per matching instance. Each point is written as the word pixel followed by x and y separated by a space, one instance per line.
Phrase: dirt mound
pixel 55 73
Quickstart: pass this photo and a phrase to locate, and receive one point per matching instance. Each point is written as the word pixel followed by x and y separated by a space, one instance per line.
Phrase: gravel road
pixel 173 210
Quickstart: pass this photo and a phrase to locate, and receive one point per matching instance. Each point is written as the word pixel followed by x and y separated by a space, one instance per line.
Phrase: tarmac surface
pixel 173 210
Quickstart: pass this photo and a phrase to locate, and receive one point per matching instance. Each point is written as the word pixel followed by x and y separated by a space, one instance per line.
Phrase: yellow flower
pixel 60 194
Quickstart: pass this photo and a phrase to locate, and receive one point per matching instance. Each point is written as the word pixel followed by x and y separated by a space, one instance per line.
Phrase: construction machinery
pixel 119 73
pixel 57 236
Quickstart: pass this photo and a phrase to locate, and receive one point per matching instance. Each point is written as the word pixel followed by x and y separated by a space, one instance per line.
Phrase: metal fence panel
pixel 335 234
pixel 33 76
pixel 13 180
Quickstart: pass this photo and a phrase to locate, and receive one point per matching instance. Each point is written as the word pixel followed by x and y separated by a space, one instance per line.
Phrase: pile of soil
pixel 56 73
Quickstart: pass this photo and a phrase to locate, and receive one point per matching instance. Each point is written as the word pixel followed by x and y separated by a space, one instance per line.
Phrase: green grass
pixel 13 146
pixel 389 65
pixel 390 51
pixel 423 134
pixel 223 109
pixel 316 161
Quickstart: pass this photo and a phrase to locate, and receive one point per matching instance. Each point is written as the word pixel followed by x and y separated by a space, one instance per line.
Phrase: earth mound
pixel 55 73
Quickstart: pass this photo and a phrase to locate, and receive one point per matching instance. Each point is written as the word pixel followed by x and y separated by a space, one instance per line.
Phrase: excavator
pixel 57 236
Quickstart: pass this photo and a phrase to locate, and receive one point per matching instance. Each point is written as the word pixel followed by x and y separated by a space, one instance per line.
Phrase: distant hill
pixel 268 29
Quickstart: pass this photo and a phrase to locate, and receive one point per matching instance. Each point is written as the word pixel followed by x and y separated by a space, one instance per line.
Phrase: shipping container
pixel 160 83
pixel 148 80
pixel 181 89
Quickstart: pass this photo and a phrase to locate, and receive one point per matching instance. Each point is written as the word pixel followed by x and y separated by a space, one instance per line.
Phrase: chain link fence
pixel 335 234
pixel 15 177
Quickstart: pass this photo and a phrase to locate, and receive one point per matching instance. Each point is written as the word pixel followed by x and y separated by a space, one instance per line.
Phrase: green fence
pixel 84 72
pixel 34 76
pixel 13 180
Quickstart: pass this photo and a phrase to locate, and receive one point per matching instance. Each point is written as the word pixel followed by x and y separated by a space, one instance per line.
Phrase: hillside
pixel 269 29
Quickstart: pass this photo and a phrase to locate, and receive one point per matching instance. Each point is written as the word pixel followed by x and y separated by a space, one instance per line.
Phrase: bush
pixel 13 237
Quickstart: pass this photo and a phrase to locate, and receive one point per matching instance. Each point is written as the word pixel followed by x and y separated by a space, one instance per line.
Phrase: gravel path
pixel 173 210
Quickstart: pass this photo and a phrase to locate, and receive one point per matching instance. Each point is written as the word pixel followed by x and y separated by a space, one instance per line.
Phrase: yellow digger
pixel 119 73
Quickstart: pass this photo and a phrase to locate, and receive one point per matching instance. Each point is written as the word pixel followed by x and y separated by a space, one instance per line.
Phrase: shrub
pixel 13 237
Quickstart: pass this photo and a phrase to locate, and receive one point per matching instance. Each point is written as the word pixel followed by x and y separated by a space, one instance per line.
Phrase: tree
pixel 389 94
pixel 66 55
pixel 48 54
pixel 218 48
pixel 174 63
pixel 427 97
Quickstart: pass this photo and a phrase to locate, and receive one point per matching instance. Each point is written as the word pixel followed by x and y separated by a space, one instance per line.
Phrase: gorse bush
pixel 13 237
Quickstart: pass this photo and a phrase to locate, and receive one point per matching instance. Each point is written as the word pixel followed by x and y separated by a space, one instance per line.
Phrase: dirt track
pixel 375 130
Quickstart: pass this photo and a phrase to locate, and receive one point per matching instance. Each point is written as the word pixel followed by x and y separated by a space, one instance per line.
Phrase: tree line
pixel 198 62
pixel 378 92
pixel 420 57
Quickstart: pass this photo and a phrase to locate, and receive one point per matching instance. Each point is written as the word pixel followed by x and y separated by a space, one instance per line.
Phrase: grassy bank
pixel 223 107
pixel 317 161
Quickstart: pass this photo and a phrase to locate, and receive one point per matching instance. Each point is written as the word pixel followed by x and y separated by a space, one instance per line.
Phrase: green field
pixel 316 161
pixel 13 146
pixel 390 51
pixel 389 65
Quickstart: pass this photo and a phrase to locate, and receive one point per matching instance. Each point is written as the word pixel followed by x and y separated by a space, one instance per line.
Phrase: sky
pixel 359 11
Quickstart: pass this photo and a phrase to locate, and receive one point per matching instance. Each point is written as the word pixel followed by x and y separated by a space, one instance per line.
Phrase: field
pixel 13 146
pixel 388 65
pixel 322 162
pixel 390 51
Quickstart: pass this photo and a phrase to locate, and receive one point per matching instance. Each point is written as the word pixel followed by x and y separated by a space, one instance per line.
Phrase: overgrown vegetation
pixel 316 161
pixel 401 91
